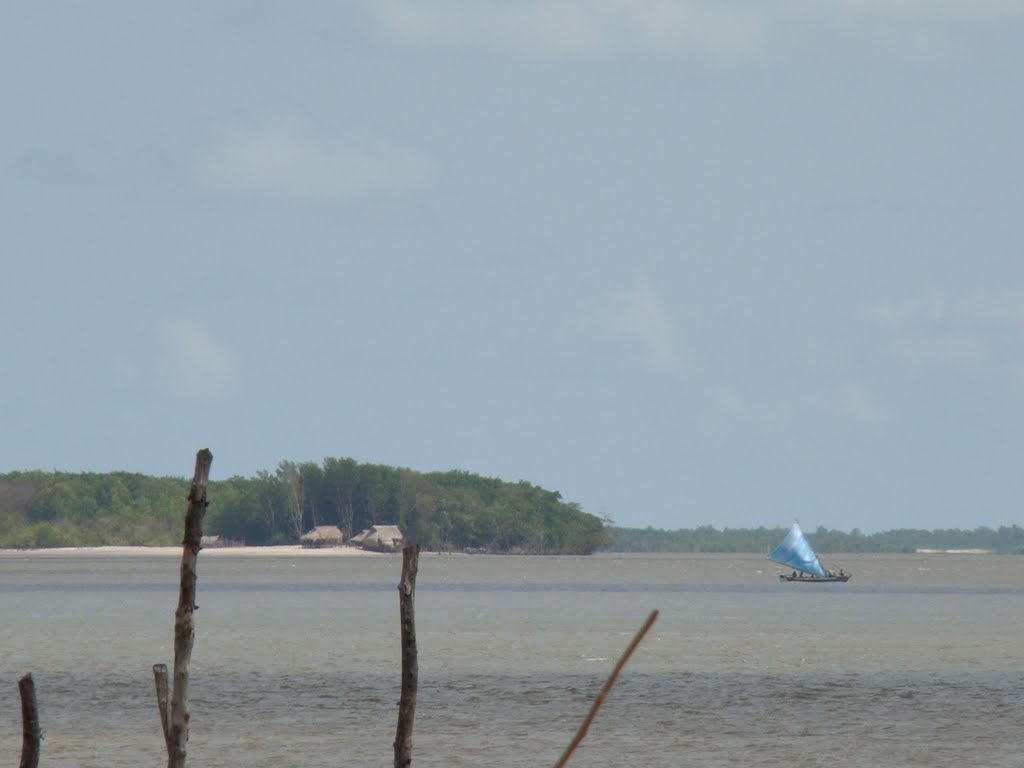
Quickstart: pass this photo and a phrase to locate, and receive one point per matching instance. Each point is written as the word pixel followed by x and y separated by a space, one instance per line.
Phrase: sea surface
pixel 918 661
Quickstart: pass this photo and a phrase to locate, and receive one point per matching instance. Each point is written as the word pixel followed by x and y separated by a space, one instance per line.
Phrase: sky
pixel 687 262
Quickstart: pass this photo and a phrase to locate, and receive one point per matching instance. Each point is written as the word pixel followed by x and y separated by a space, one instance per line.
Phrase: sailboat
pixel 795 552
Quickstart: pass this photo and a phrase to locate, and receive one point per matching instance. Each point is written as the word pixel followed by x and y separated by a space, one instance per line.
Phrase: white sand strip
pixel 291 550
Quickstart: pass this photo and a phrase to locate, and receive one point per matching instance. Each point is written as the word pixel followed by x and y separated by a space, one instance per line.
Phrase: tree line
pixel 1002 540
pixel 442 511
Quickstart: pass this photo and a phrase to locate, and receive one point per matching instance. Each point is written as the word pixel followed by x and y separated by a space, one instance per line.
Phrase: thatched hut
pixel 381 538
pixel 323 536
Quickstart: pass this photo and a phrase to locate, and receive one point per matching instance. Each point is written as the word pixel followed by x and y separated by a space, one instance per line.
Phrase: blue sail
pixel 795 552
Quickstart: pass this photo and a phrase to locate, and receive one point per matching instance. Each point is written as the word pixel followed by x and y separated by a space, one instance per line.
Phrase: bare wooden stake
pixel 177 720
pixel 163 701
pixel 603 694
pixel 32 734
pixel 410 665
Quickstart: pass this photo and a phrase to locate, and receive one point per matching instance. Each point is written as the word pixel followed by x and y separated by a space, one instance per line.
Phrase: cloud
pixel 858 405
pixel 639 315
pixel 919 9
pixel 730 401
pixel 706 28
pixel 1001 310
pixel 954 351
pixel 790 415
pixel 977 311
pixel 289 162
pixel 193 365
pixel 893 315
pixel 956 332
pixel 573 26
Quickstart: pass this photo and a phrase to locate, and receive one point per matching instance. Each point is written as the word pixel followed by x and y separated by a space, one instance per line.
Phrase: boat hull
pixel 814 579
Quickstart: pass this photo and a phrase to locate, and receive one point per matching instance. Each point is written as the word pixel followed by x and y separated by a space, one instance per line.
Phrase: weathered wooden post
pixel 32 734
pixel 174 714
pixel 410 667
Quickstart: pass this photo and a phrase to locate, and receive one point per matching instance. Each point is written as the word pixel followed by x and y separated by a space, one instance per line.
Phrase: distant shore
pixel 289 550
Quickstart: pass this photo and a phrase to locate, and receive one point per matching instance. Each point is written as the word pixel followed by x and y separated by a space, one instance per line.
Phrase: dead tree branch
pixel 174 714
pixel 163 702
pixel 603 694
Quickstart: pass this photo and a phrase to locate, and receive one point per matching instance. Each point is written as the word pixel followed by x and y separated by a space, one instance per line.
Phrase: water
pixel 916 662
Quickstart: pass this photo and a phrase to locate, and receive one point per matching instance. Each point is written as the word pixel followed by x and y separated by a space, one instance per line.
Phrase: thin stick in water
pixel 602 695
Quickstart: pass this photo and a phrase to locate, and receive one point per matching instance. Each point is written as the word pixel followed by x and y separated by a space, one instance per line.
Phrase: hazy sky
pixel 685 261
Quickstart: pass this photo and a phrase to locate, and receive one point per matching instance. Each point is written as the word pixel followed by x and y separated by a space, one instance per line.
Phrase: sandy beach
pixel 291 550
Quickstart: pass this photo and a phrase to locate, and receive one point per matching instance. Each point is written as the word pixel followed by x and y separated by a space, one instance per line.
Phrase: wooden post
pixel 410 668
pixel 176 721
pixel 32 735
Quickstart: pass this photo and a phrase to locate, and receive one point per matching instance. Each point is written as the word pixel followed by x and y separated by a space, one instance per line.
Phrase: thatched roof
pixel 381 537
pixel 322 536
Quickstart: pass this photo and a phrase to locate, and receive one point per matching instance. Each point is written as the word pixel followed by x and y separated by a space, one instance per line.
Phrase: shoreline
pixel 285 550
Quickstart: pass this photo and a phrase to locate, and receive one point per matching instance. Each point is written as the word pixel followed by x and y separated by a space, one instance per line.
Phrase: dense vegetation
pixel 440 510
pixel 1004 540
